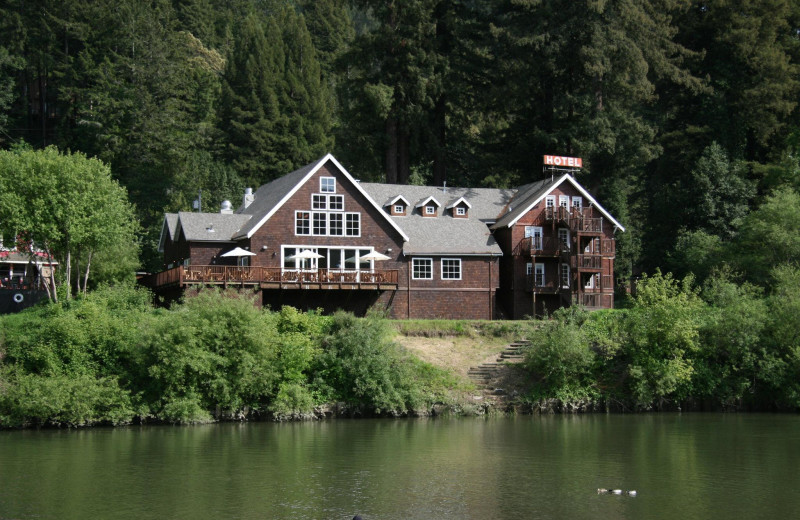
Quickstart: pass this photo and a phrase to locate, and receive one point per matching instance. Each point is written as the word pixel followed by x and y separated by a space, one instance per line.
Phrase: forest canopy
pixel 685 113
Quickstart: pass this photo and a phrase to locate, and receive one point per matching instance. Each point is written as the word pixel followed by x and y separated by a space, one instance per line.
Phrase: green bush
pixel 360 365
pixel 31 399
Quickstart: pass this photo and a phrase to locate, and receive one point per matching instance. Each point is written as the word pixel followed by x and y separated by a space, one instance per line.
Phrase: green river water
pixel 684 466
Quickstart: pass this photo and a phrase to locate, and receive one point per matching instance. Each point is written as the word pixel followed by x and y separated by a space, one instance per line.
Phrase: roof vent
pixel 248 197
pixel 226 208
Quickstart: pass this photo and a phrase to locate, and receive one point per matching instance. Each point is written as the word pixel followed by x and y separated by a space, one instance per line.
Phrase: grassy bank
pixel 111 358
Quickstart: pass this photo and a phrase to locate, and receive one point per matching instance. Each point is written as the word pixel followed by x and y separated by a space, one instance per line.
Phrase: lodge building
pixel 318 238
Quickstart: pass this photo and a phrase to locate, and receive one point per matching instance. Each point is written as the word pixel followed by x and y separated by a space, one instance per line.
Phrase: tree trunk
pixel 440 147
pixel 403 156
pixel 391 150
pixel 86 275
pixel 69 274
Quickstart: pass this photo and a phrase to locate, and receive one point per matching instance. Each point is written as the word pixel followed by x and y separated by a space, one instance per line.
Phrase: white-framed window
pixel 327 184
pixel 302 222
pixel 320 223
pixel 563 201
pixel 352 224
pixel 535 234
pixel 563 238
pixel 461 211
pixel 451 269
pixel 538 278
pixel 592 281
pixel 577 202
pixel 430 210
pixel 422 269
pixel 399 209
pixel 565 276
pixel 550 201
pixel 319 201
pixel 335 224
pixel 336 202
pixel 528 269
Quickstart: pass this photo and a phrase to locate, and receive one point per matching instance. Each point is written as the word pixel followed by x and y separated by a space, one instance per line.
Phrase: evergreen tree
pixel 275 110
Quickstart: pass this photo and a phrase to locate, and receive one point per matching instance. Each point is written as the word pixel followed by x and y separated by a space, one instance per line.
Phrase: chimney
pixel 248 197
pixel 226 208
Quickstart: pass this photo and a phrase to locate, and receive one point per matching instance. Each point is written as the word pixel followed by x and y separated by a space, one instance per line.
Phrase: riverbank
pixel 111 358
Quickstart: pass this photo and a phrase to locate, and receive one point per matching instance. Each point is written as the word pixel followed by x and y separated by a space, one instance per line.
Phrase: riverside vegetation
pixel 109 357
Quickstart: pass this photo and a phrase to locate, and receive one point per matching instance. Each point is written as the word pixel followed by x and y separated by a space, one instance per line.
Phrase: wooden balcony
pixel 546 286
pixel 588 262
pixel 548 246
pixel 586 225
pixel 274 278
pixel 594 300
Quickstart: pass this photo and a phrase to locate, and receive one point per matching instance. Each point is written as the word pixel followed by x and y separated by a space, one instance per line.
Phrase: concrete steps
pixel 482 374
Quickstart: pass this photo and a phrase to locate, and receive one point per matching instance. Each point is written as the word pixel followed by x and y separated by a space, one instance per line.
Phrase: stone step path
pixel 482 374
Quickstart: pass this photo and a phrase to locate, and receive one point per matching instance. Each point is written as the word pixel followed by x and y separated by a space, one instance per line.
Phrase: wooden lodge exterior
pixel 317 238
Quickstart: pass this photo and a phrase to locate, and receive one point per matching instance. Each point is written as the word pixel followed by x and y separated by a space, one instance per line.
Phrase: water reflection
pixel 702 466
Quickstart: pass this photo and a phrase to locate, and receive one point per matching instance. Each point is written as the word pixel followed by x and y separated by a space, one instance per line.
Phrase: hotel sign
pixel 569 162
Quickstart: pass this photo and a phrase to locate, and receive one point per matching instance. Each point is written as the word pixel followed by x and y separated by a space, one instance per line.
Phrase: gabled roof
pixel 269 198
pixel 487 203
pixel 424 202
pixel 532 194
pixel 445 235
pixel 458 201
pixel 200 227
pixel 394 200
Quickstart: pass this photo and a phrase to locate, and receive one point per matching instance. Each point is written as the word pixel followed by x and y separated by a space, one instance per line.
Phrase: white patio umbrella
pixel 238 251
pixel 374 255
pixel 305 254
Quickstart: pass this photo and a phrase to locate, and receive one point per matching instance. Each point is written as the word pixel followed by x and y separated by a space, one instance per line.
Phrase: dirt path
pixel 456 354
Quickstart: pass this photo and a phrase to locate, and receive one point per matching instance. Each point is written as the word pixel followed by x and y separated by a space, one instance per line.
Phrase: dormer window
pixel 427 207
pixel 458 208
pixel 397 206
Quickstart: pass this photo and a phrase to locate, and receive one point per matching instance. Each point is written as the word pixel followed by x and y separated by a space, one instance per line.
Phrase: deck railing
pixel 255 275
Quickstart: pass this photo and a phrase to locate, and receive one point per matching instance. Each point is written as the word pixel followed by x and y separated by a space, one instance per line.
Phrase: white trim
pixel 561 276
pixel 458 201
pixel 577 199
pixel 461 212
pixel 425 201
pixel 414 259
pixel 324 179
pixel 430 210
pixel 311 173
pixel 583 192
pixel 544 279
pixel 399 197
pixel 399 209
pixel 441 268
pixel 563 201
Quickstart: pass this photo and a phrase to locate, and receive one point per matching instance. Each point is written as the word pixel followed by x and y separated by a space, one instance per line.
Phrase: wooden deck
pixel 273 278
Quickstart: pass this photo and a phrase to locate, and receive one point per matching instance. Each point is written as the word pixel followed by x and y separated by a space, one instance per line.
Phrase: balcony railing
pixel 541 246
pixel 589 262
pixel 593 300
pixel 583 224
pixel 274 276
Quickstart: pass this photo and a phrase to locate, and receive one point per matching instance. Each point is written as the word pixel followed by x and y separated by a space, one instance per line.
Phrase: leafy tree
pixel 68 205
pixel 768 237
pixel 662 335
pixel 729 364
pixel 719 193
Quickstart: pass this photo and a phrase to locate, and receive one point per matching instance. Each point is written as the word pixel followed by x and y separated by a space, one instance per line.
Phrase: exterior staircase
pixel 485 373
